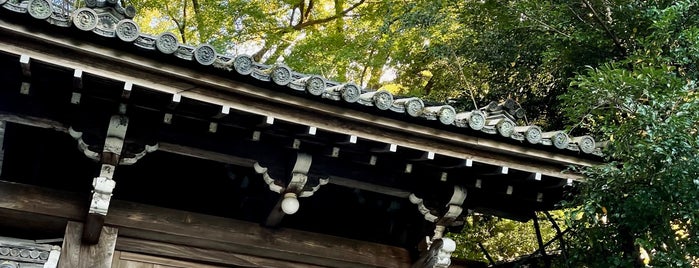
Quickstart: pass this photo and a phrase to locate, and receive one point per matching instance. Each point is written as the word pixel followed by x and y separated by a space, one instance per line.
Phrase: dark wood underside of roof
pixel 229 187
pixel 205 157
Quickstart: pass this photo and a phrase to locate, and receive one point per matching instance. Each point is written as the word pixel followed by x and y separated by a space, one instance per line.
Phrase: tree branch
pixel 174 19
pixel 308 10
pixel 614 37
pixel 324 20
pixel 293 13
pixel 184 22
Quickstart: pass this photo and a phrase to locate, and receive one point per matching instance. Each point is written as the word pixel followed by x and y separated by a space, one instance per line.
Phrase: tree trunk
pixel 201 31
pixel 628 247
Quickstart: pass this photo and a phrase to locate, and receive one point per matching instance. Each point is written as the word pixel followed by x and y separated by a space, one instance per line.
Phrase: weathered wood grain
pixel 135 260
pixel 76 254
pixel 204 255
pixel 201 231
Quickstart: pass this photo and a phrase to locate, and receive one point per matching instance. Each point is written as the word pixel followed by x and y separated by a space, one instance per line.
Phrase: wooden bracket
pixel 297 187
pixel 453 210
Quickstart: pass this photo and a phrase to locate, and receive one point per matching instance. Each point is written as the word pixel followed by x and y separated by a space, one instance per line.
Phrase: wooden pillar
pixel 76 254
pixel 2 144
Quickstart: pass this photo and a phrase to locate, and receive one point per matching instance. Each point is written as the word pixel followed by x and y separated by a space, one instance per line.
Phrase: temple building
pixel 122 149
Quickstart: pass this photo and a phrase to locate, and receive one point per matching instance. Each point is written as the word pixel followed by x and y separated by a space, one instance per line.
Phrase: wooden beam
pixel 205 87
pixel 124 259
pixel 199 254
pixel 75 254
pixel 206 232
pixel 207 154
pixel 179 251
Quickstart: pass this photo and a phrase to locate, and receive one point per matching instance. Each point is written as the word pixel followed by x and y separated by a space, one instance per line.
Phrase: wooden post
pixel 2 144
pixel 75 254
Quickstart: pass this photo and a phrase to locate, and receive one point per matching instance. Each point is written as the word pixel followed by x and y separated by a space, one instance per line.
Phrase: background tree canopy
pixel 442 50
pixel 624 70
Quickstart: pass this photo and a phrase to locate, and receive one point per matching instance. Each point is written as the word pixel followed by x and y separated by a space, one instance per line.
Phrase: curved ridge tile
pixel 281 75
pixel 205 54
pixel 85 19
pixel 585 143
pixel 20 7
pixel 261 72
pixel 412 106
pixel 40 9
pixel 313 84
pixel 559 139
pixel 348 92
pixel 145 41
pixel 166 43
pixel 243 64
pixel 531 133
pixel 381 99
pixel 185 52
pixel 127 30
pixel 472 119
pixel 444 113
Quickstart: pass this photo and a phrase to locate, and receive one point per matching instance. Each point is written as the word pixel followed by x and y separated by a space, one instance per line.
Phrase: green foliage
pixel 504 240
pixel 644 201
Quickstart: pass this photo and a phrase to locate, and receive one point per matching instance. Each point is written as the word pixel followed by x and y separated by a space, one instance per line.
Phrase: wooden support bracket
pixel 288 203
pixel 103 186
